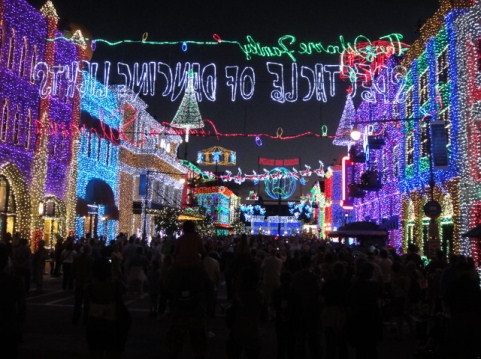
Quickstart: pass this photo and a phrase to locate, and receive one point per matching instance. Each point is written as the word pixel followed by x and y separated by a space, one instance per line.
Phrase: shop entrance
pixel 7 208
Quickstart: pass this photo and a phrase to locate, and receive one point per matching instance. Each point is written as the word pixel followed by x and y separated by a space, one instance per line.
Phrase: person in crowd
pixel 165 268
pixel 463 303
pixel 136 277
pixel 189 249
pixel 82 275
pixel 58 256
pixel 281 298
pixel 335 312
pixel 12 308
pixel 187 290
pixel 243 318
pixel 271 268
pixel 153 277
pixel 21 258
pixel 306 311
pixel 399 296
pixel 128 252
pixel 108 319
pixel 68 255
pixel 385 263
pixel 364 322
pixel 212 270
pixel 38 264
pixel 116 258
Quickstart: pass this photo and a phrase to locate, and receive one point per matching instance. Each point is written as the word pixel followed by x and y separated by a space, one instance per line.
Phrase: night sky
pixel 319 21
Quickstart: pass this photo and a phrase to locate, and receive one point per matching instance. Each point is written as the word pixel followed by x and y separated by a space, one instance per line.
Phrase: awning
pixel 99 192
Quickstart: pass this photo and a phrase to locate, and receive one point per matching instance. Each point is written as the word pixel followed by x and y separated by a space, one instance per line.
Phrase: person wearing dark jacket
pixel 82 275
pixel 306 312
pixel 12 308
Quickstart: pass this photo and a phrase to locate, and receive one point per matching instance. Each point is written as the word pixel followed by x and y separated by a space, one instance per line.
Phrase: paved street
pixel 50 334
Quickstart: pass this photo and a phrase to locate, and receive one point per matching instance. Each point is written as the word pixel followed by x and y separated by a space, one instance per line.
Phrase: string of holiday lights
pixel 241 177
pixel 361 47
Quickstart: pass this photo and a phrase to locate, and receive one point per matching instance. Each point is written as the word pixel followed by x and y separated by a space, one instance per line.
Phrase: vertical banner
pixel 143 185
pixel 439 144
pixel 347 175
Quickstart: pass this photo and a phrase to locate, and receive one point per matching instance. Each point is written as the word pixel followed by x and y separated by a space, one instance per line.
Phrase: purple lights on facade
pixel 33 160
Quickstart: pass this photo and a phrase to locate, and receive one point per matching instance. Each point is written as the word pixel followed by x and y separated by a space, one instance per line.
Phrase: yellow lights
pixel 49 11
pixel 78 38
pixel 41 208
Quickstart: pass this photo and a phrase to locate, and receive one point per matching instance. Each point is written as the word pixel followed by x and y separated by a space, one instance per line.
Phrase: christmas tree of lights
pixel 188 115
pixel 346 124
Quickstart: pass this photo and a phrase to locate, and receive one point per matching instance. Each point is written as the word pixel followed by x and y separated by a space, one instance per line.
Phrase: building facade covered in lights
pixel 431 90
pixel 440 88
pixel 37 193
pixel 148 161
pixel 379 151
pixel 468 52
pixel 97 162
pixel 221 204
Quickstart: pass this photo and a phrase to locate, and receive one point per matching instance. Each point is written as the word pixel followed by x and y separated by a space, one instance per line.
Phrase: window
pixel 444 116
pixel 89 143
pixel 1 36
pixel 23 53
pixel 409 103
pixel 33 61
pixel 423 88
pixel 443 66
pixel 409 149
pixel 11 51
pixel 395 159
pixel 107 152
pixel 99 148
pixel 16 126
pixel 29 129
pixel 4 189
pixel 425 140
pixel 4 121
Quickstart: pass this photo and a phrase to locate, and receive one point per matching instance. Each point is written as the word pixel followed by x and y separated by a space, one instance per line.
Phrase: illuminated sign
pixel 289 83
pixel 347 176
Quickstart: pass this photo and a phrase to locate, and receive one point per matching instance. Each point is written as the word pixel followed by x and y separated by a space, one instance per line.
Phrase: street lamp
pixel 356 133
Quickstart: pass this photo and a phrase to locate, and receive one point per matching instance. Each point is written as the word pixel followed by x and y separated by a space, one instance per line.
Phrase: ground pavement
pixel 50 334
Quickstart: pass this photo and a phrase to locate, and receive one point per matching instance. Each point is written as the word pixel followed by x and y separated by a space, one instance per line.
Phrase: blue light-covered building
pixel 97 180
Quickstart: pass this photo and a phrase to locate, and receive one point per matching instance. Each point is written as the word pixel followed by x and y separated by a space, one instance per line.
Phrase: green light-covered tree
pixel 205 227
pixel 188 114
pixel 168 220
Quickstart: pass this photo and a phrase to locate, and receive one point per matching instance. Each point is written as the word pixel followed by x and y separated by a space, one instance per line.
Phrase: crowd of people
pixel 324 299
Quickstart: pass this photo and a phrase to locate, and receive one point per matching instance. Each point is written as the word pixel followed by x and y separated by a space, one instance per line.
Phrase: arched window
pixel 16 126
pixel 23 54
pixel 1 36
pixel 28 140
pixel 4 121
pixel 11 51
pixel 33 61
pixel 4 189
